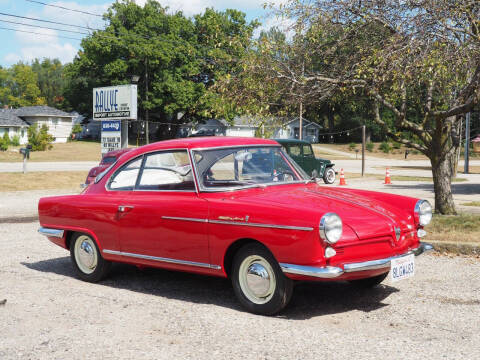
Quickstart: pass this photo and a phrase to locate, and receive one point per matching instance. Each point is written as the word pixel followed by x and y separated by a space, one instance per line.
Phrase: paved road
pixel 157 314
pixel 48 166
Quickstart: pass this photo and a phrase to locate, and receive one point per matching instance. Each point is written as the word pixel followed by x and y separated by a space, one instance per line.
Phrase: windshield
pixel 230 168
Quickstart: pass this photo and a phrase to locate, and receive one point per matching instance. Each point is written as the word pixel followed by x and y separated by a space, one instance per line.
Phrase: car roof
pixel 291 141
pixel 200 143
pixel 117 152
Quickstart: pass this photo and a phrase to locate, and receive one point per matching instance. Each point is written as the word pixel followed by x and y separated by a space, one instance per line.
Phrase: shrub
pixel 352 146
pixel 6 139
pixel 369 146
pixel 397 145
pixel 385 147
pixel 76 129
pixel 40 139
pixel 15 141
pixel 3 144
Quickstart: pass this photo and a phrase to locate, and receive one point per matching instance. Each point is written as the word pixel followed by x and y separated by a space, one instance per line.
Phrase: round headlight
pixel 423 212
pixel 331 228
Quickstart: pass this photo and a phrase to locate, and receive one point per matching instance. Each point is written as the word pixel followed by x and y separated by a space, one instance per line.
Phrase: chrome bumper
pixel 329 272
pixel 51 232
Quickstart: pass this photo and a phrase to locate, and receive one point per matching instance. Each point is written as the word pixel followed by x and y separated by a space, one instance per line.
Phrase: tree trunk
pixel 442 183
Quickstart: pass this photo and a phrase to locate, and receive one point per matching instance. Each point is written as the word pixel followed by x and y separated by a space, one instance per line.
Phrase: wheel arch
pixel 70 232
pixel 233 249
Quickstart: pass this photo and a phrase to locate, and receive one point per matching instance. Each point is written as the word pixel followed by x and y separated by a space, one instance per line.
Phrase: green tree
pixel 417 62
pixel 23 84
pixel 181 58
pixel 50 80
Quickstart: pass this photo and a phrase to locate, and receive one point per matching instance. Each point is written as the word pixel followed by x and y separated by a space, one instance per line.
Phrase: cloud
pixel 48 43
pixel 192 7
pixel 283 24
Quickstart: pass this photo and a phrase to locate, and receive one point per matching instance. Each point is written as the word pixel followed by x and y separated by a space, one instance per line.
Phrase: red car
pixel 107 160
pixel 237 208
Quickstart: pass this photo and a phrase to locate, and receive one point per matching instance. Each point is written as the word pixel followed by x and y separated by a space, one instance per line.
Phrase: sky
pixel 19 44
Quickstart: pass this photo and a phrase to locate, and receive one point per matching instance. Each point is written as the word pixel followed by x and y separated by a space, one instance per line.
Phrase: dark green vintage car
pixel 302 152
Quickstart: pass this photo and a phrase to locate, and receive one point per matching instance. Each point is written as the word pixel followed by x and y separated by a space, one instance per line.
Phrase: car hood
pixel 368 217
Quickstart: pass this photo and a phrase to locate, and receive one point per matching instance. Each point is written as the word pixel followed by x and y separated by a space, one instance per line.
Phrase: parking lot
pixel 158 314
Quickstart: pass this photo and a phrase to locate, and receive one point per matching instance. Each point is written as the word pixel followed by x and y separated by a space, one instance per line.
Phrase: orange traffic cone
pixel 387 177
pixel 342 178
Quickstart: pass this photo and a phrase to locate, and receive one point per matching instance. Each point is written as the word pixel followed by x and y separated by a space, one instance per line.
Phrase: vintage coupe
pixel 237 208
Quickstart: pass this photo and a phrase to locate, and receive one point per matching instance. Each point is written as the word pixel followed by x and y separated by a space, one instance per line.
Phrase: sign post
pixel 114 106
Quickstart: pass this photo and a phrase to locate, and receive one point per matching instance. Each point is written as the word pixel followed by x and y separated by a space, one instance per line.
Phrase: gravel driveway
pixel 157 314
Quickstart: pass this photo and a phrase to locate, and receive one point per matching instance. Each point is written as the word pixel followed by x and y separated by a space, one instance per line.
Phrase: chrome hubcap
pixel 330 175
pixel 86 254
pixel 257 279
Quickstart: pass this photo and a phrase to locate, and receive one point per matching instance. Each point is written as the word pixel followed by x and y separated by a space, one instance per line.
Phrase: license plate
pixel 402 268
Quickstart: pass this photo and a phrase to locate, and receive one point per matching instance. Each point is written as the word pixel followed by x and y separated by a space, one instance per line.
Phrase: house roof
pixel 41 111
pixel 8 118
pixel 305 122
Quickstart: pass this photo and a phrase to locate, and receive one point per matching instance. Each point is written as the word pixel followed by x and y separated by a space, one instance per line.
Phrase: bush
pixel 397 145
pixel 352 146
pixel 385 147
pixel 15 141
pixel 3 143
pixel 369 146
pixel 40 139
pixel 76 129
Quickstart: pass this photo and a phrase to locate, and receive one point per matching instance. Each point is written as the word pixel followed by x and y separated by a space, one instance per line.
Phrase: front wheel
pixel 258 282
pixel 89 265
pixel 329 176
pixel 369 282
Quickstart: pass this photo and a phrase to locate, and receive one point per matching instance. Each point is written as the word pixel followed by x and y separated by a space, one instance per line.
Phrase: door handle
pixel 125 208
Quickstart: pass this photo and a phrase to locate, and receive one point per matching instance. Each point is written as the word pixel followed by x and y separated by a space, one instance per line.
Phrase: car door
pixel 163 219
pixel 310 163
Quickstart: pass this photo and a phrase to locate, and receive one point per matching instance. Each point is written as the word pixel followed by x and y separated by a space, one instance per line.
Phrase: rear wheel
pixel 258 282
pixel 369 282
pixel 329 176
pixel 89 265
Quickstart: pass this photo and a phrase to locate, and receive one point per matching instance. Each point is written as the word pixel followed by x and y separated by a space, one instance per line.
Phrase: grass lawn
pixel 454 228
pixel 71 151
pixel 472 203
pixel 42 180
pixel 394 177
pixel 393 154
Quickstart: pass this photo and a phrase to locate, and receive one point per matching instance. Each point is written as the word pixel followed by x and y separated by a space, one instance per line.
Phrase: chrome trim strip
pixel 327 272
pixel 233 146
pixel 286 227
pixel 184 219
pixel 162 259
pixel 51 232
pixel 385 263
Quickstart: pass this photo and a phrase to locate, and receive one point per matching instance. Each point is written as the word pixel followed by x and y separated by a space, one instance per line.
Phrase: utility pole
pixel 300 133
pixel 363 150
pixel 467 143
pixel 147 135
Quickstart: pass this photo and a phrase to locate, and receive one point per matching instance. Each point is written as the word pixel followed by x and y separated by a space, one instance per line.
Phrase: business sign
pixel 111 135
pixel 115 102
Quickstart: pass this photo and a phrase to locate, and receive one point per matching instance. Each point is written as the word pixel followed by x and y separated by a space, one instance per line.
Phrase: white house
pixel 59 122
pixel 242 126
pixel 13 126
pixel 291 130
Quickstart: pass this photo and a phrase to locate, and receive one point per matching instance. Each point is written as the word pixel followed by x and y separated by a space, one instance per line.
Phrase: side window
pixel 295 150
pixel 168 170
pixel 307 150
pixel 126 178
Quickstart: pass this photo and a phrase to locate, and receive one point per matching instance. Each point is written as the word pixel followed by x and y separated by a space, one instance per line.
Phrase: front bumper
pixel 329 272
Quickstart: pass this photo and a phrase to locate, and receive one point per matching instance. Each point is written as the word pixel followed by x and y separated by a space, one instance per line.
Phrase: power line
pixel 49 21
pixel 37 33
pixel 64 8
pixel 44 27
